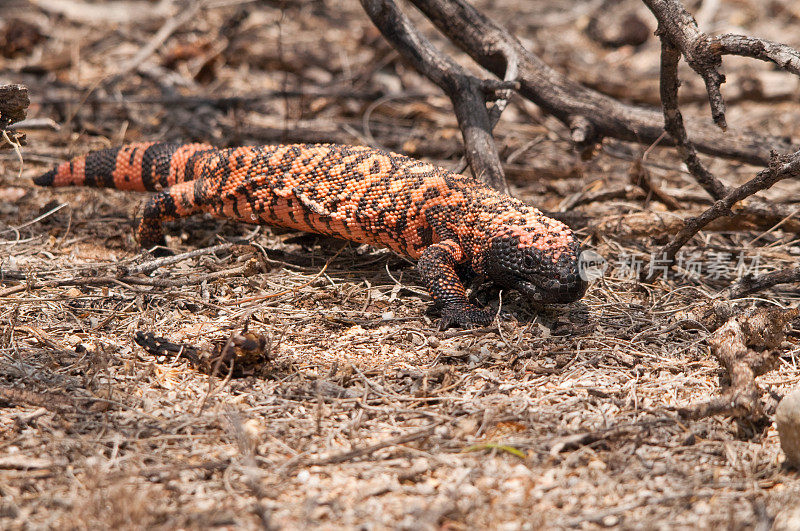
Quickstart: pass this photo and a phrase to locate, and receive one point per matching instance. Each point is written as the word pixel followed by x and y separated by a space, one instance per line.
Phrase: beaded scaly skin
pixel 448 222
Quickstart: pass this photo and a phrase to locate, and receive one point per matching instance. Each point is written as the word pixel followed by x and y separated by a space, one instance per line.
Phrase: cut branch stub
pixel 14 103
pixel 583 134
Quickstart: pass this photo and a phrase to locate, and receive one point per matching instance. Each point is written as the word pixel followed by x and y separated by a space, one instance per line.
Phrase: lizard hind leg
pixel 170 204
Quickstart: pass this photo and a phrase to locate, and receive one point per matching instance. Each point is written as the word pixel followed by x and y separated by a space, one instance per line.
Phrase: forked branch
pixel 589 114
pixel 673 122
pixel 704 52
pixel 679 28
pixel 468 93
pixel 781 168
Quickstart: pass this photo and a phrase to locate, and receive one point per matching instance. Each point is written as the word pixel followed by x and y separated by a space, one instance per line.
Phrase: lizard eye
pixel 528 262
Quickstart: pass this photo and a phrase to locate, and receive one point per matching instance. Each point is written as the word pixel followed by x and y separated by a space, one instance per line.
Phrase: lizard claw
pixel 465 317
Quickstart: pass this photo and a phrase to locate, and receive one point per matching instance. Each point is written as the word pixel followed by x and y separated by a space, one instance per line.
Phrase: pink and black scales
pixel 448 222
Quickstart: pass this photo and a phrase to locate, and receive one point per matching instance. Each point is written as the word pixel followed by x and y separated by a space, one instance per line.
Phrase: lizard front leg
pixel 437 265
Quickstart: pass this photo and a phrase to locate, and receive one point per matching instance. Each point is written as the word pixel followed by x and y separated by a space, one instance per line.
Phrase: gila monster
pixel 452 224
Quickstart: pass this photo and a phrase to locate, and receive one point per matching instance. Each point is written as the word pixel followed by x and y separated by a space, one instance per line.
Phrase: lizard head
pixel 538 259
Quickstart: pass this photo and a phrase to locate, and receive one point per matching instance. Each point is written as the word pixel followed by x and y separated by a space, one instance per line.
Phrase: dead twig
pixel 680 36
pixel 678 28
pixel 673 122
pixel 52 401
pixel 152 265
pixel 367 450
pixel 125 280
pixel 589 114
pixel 287 291
pixel 750 285
pixel 780 168
pixel 640 176
pixel 704 53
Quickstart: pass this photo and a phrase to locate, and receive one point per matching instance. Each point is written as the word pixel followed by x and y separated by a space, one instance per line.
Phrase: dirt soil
pixel 357 412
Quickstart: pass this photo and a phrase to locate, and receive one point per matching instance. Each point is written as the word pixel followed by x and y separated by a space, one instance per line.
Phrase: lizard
pixel 452 224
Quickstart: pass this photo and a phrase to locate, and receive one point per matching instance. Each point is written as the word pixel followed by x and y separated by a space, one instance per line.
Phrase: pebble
pixel 787 416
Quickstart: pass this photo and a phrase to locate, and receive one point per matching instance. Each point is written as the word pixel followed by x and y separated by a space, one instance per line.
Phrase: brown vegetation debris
pixel 747 346
pixel 356 411
pixel 241 354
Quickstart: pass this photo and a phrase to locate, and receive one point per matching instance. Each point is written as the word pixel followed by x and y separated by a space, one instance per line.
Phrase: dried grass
pixel 366 414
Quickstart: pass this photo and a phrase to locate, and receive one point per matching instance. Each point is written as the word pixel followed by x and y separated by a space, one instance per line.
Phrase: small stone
pixel 610 520
pixel 254 429
pixel 416 339
pixel 787 416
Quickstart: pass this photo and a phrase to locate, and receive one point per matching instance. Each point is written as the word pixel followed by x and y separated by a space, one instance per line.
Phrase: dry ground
pixel 365 416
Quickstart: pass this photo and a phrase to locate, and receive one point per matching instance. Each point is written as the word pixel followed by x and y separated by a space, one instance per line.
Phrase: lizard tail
pixel 144 166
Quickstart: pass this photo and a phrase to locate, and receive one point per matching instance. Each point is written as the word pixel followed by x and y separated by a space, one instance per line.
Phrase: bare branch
pixel 673 122
pixel 780 168
pixel 680 28
pixel 766 281
pixel 783 56
pixel 465 91
pixel 704 53
pixel 486 41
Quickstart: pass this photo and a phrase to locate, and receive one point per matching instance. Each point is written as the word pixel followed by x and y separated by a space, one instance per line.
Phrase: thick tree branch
pixel 486 42
pixel 468 93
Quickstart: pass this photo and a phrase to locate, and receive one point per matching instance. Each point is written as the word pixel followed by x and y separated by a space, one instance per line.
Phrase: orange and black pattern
pixel 449 222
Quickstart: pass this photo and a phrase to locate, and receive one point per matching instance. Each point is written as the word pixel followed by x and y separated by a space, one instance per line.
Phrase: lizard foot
pixel 465 317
